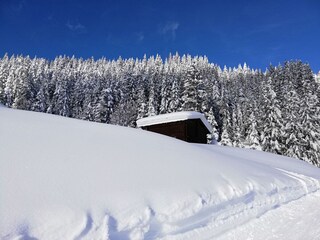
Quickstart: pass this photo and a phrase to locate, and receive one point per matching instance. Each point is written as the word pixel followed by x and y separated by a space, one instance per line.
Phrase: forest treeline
pixel 277 110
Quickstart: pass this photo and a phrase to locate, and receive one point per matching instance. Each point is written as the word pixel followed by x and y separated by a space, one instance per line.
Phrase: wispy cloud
pixel 20 5
pixel 15 7
pixel 139 36
pixel 50 17
pixel 77 27
pixel 170 29
pixel 265 28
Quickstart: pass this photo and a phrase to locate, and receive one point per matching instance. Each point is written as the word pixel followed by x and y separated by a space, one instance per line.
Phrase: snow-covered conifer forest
pixel 276 111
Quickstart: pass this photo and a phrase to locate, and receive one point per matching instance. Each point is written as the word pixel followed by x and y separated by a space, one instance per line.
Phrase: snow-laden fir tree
pixel 40 75
pixel 175 99
pixel 24 87
pixel 309 116
pixel 237 136
pixel 272 128
pixel 104 108
pixel 4 73
pixel 165 93
pixel 142 99
pixel 192 89
pixel 252 136
pixel 152 101
pixel 226 125
pixel 290 115
pixel 214 136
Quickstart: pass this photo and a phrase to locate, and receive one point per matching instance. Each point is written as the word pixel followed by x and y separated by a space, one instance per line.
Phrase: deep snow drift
pixel 62 178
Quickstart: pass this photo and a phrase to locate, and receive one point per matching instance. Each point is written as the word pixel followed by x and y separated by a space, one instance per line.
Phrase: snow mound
pixel 63 178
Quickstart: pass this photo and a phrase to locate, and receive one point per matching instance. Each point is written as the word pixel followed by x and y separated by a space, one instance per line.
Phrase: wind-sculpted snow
pixel 62 178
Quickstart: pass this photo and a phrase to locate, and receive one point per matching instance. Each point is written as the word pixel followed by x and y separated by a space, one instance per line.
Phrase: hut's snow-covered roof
pixel 173 117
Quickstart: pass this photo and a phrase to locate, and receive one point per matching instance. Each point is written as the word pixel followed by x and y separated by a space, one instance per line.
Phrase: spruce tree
pixel 4 73
pixel 272 130
pixel 214 136
pixel 191 89
pixel 23 84
pixel 252 135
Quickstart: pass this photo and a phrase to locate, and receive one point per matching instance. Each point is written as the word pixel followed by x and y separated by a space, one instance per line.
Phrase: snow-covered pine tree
pixel 214 136
pixel 142 99
pixel 10 84
pixel 104 107
pixel 290 118
pixel 125 114
pixel 155 71
pixel 192 89
pixel 152 101
pixel 140 73
pixel 237 135
pixel 272 128
pixel 165 89
pixel 24 86
pixel 61 97
pixel 175 98
pixel 77 97
pixel 40 75
pixel 252 136
pixel 4 73
pixel 226 130
pixel 309 115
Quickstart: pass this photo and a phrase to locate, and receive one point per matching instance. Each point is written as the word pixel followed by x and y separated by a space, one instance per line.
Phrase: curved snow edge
pixel 217 219
pixel 209 218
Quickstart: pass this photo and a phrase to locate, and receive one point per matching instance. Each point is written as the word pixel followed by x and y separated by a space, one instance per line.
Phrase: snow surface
pixel 296 220
pixel 173 117
pixel 63 178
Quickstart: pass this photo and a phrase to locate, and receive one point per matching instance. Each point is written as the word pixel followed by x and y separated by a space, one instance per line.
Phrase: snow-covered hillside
pixel 63 178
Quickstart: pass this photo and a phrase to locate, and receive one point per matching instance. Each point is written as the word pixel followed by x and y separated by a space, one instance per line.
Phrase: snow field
pixel 296 220
pixel 62 178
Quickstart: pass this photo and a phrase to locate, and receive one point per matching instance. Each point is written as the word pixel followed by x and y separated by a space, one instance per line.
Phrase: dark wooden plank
pixel 191 130
pixel 173 129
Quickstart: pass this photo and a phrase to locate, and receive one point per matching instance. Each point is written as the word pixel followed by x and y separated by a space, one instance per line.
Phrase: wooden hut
pixel 187 126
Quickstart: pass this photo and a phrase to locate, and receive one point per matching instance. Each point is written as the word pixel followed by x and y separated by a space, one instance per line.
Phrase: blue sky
pixel 228 32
